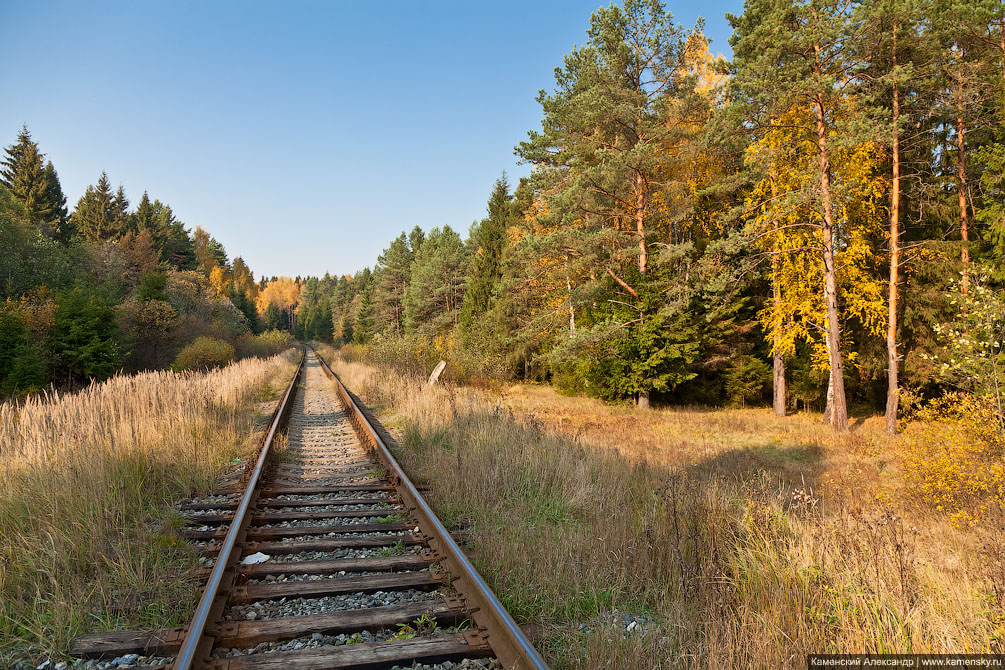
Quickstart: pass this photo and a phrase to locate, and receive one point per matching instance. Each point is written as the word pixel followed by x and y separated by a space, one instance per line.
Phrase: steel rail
pixel 187 655
pixel 507 640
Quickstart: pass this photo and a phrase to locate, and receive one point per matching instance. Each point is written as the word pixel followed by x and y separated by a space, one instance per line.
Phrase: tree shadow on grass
pixel 797 465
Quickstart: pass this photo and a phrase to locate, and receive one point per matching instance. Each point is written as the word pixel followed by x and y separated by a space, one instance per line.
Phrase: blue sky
pixel 302 135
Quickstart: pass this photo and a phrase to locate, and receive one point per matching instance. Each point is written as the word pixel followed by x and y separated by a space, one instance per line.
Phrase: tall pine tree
pixel 600 163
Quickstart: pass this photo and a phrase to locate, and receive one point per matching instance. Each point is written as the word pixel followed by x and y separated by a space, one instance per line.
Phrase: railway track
pixel 325 556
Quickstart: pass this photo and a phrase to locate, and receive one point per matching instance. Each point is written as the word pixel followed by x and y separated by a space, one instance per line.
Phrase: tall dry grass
pixel 86 486
pixel 726 561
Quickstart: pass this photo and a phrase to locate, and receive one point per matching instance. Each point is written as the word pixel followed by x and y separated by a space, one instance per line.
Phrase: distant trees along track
pixel 347 545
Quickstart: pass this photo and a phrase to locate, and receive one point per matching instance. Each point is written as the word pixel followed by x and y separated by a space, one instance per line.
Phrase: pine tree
pixel 966 81
pixel 392 275
pixel 887 44
pixel 601 163
pixel 435 289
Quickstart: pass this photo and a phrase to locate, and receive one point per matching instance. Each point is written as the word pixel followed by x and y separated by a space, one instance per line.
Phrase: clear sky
pixel 302 135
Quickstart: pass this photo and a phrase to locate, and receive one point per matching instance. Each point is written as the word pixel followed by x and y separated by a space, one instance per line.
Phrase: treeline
pixel 823 216
pixel 110 287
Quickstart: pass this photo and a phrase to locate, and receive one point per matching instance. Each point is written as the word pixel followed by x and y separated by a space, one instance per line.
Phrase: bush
pixel 955 445
pixel 204 353
pixel 269 343
pixel 747 379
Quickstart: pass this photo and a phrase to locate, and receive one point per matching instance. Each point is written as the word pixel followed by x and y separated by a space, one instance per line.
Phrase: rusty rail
pixel 508 642
pixel 193 643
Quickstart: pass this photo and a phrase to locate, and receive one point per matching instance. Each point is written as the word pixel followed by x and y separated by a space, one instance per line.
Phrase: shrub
pixel 204 353
pixel 747 379
pixel 269 343
pixel 954 455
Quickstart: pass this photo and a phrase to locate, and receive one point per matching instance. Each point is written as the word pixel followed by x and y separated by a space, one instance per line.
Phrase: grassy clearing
pixel 737 539
pixel 86 487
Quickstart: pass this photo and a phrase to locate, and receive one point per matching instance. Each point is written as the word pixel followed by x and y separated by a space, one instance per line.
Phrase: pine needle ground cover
pixel 87 482
pixel 724 538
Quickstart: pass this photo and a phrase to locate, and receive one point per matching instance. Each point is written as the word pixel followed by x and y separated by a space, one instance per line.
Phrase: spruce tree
pixel 83 338
pixel 34 184
pixel 435 289
pixel 178 247
pixel 55 213
pixel 100 213
pixel 488 245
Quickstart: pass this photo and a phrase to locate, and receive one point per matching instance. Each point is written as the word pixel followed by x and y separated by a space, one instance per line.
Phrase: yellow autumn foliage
pixel 783 220
pixel 953 455
pixel 282 292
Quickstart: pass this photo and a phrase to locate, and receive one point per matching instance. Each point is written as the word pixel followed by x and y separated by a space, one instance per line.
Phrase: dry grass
pixel 746 540
pixel 86 487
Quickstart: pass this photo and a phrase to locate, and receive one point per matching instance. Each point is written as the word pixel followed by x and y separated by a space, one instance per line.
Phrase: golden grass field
pixel 87 484
pixel 737 538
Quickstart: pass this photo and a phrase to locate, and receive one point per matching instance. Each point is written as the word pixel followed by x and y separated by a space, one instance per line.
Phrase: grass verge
pixel 683 538
pixel 87 482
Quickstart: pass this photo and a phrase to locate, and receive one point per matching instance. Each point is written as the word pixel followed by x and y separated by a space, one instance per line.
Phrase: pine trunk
pixel 839 414
pixel 893 364
pixel 640 223
pixel 572 311
pixel 961 179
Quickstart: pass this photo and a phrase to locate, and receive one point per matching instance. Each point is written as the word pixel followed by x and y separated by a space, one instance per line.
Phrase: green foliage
pixel 631 350
pixel 21 365
pixel 133 302
pixel 747 379
pixel 992 213
pixel 152 286
pixel 269 343
pixel 424 625
pixel 101 214
pixel 148 329
pixel 974 356
pixel 35 185
pixel 432 298
pixel 489 242
pixel 83 342
pixel 29 258
pixel 391 278
pixel 314 321
pixel 204 353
